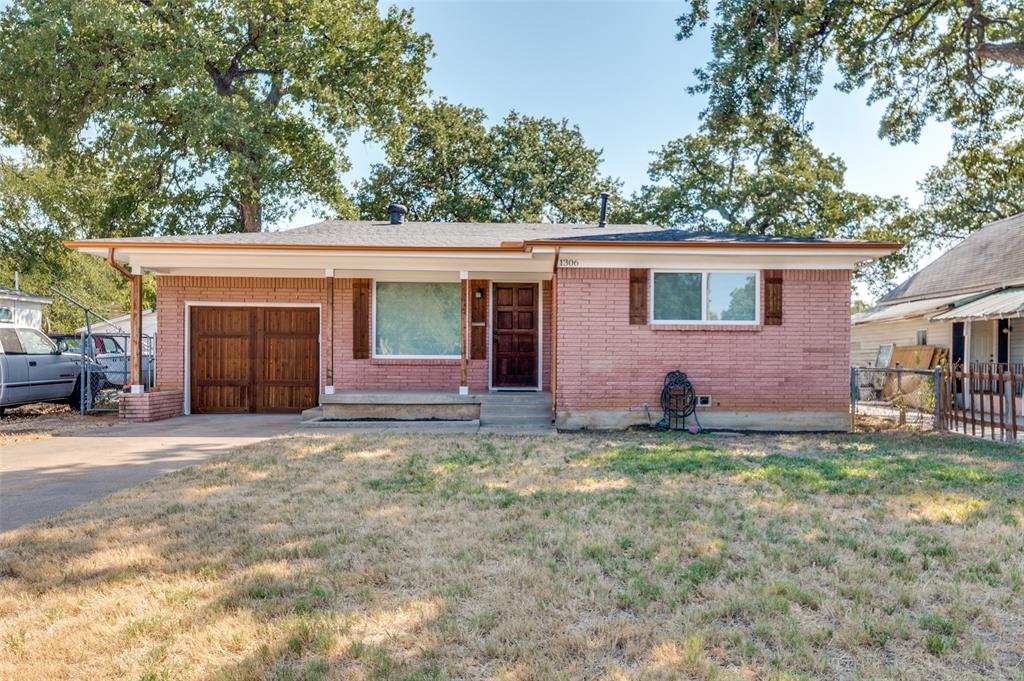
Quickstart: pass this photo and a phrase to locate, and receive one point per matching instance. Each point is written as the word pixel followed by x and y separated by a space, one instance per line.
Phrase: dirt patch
pixel 35 421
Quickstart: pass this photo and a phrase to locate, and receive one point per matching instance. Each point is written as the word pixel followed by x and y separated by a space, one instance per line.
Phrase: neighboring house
pixel 22 309
pixel 121 324
pixel 969 301
pixel 278 321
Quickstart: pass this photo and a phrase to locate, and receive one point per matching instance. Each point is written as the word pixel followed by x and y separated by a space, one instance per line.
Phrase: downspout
pixel 116 265
pixel 554 335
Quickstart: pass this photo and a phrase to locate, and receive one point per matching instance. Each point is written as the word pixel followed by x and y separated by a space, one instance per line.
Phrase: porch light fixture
pixel 478 293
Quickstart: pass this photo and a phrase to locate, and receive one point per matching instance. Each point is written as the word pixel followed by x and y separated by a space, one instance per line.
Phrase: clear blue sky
pixel 616 70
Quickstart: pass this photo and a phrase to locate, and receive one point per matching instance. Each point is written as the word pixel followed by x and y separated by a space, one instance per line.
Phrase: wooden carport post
pixel 135 377
pixel 138 380
pixel 328 331
pixel 554 336
pixel 464 327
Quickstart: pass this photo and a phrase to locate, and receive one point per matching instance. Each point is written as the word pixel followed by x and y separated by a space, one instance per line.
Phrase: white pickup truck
pixel 33 369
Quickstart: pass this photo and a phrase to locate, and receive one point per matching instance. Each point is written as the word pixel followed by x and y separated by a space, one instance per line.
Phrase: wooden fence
pixel 984 400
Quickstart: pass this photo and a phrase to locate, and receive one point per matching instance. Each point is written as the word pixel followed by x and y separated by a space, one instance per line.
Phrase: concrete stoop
pixel 516 412
pixel 520 413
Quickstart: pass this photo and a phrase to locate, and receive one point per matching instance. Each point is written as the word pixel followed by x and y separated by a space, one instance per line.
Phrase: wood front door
pixel 514 361
pixel 253 359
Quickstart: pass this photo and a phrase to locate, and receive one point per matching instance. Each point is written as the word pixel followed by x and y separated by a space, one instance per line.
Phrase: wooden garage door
pixel 253 359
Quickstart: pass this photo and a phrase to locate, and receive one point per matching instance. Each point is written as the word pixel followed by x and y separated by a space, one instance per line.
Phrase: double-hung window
pixel 705 298
pixel 416 320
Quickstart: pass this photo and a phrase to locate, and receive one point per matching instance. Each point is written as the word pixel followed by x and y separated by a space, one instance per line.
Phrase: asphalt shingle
pixel 991 257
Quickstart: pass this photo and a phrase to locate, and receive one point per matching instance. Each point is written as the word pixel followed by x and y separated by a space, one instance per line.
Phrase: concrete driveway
pixel 42 477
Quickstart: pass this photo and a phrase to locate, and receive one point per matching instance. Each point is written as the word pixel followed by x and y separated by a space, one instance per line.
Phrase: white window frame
pixel 704 321
pixel 373 323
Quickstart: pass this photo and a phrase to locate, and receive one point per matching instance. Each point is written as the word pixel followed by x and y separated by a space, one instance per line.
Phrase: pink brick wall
pixel 349 374
pixel 604 363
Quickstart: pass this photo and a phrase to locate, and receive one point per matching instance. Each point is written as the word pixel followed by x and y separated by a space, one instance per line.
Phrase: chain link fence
pixel 894 397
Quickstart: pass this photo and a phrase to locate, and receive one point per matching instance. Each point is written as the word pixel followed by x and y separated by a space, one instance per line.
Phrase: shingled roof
pixel 695 236
pixel 440 235
pixel 991 257
pixel 365 233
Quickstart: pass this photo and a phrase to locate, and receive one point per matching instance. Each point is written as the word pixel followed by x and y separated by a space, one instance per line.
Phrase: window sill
pixel 412 361
pixel 733 328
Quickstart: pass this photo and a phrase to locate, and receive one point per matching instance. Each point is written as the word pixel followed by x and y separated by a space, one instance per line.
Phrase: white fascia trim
pixel 125 253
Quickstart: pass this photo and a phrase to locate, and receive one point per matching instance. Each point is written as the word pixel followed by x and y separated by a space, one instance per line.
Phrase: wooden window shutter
pixel 361 318
pixel 773 297
pixel 478 319
pixel 638 288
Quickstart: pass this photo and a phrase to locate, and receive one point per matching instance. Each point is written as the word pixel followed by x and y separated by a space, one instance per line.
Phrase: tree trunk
pixel 1011 53
pixel 252 216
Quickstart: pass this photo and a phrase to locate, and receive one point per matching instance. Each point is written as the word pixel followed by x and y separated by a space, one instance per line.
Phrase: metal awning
pixel 908 310
pixel 1008 303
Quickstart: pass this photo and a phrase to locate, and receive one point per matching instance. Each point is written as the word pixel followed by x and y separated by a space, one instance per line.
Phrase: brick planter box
pixel 151 406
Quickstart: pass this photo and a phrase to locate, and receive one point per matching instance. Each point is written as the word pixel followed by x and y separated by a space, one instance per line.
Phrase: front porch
pixel 527 411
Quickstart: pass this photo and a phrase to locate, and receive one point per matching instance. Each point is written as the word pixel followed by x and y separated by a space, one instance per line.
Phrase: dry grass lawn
pixel 573 557
pixel 37 421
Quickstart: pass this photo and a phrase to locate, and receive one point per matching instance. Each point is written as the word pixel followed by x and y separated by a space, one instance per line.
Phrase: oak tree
pixel 204 116
pixel 456 168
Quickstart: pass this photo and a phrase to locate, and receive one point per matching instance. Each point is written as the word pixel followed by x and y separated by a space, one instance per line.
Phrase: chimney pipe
pixel 604 210
pixel 397 213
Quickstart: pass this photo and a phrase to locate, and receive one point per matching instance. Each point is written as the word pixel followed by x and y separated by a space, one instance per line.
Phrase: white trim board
pixel 187 344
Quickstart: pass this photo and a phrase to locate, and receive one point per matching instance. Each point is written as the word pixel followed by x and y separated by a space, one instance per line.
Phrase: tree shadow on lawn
pixel 462 557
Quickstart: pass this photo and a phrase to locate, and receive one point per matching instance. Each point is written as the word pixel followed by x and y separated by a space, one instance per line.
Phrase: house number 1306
pixel 568 262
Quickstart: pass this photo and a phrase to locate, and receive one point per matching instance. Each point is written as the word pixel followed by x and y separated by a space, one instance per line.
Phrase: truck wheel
pixel 75 398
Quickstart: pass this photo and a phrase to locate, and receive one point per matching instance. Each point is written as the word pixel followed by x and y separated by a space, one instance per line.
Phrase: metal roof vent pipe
pixel 604 210
pixel 397 213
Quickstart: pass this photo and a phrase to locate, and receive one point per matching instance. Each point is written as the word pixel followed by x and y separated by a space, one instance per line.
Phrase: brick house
pixel 596 315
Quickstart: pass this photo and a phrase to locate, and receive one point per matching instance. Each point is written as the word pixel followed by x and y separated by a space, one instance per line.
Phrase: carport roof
pixel 1008 303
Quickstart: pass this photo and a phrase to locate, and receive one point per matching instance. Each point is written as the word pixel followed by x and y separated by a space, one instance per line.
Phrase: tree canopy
pixel 455 168
pixel 981 181
pixel 35 210
pixel 204 116
pixel 954 60
pixel 757 180
pixel 958 61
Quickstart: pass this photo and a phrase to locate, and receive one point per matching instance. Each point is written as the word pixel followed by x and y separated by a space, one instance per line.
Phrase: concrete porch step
pixel 536 410
pixel 549 429
pixel 334 426
pixel 513 419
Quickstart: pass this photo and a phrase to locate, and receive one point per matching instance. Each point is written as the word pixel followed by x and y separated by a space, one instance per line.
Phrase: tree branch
pixel 1010 53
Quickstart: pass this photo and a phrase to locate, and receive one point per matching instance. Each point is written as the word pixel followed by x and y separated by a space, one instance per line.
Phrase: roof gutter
pixel 505 247
pixel 843 245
